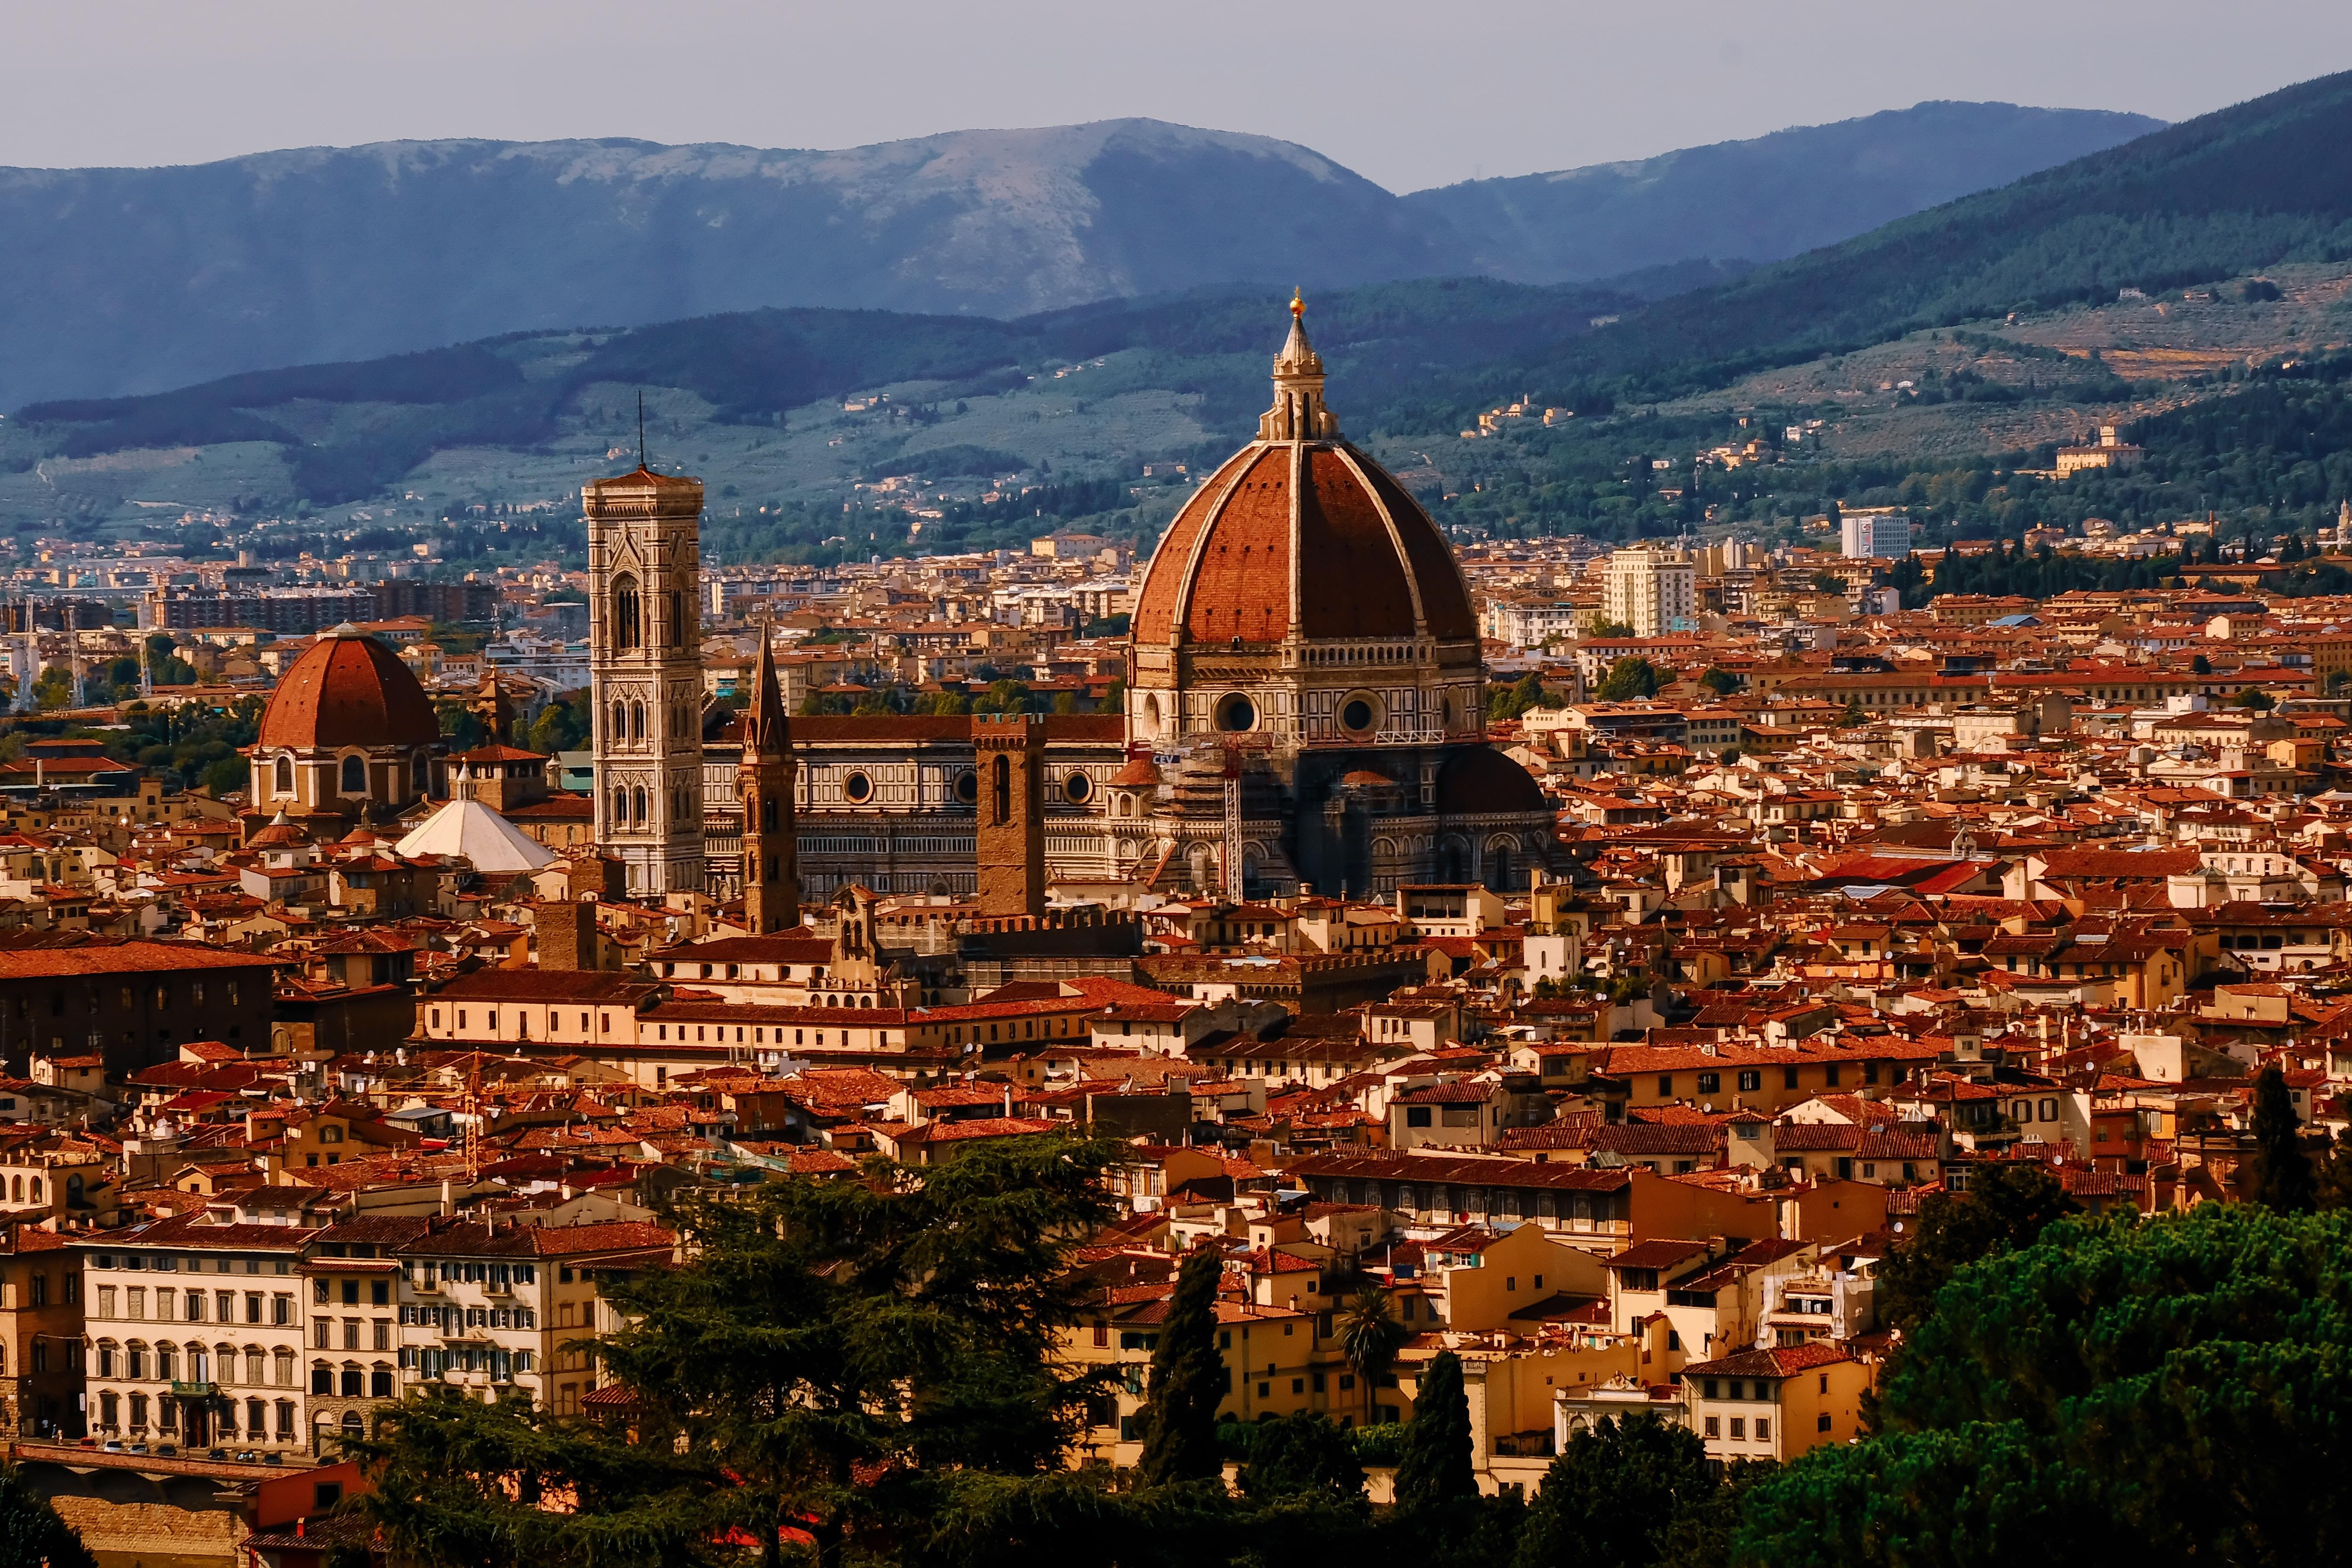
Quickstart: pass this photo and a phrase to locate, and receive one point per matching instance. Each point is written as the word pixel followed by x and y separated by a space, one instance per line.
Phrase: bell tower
pixel 645 668
pixel 771 876
pixel 1010 836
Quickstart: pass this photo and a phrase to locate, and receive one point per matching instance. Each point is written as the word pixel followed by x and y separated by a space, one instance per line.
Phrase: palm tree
pixel 1371 1340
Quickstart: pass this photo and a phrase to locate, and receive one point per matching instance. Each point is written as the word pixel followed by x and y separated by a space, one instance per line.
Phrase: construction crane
pixel 1233 825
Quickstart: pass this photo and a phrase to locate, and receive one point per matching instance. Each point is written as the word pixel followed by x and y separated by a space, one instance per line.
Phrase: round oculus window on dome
pixel 967 787
pixel 857 787
pixel 1360 713
pixel 1078 789
pixel 1236 713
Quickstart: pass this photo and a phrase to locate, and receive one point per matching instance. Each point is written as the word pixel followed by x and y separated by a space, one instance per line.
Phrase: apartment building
pixel 488 1305
pixel 1654 591
pixel 40 1334
pixel 195 1329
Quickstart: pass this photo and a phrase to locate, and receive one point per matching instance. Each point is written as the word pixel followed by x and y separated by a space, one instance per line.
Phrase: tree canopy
pixel 818 1336
pixel 2158 1391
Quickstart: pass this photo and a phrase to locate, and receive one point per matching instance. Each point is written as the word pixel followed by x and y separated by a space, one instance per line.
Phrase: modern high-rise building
pixel 1875 535
pixel 1654 591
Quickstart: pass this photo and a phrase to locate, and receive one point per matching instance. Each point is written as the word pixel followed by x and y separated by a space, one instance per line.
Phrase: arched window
pixel 620 808
pixel 355 775
pixel 283 775
pixel 1001 789
pixel 638 801
pixel 619 730
pixel 637 721
pixel 626 630
pixel 37 1190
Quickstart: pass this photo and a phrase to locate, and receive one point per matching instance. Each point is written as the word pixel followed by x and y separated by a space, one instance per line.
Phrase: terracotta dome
pixel 348 690
pixel 1301 534
pixel 1480 781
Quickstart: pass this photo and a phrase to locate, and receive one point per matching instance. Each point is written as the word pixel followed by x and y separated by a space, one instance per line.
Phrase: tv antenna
pixel 641 427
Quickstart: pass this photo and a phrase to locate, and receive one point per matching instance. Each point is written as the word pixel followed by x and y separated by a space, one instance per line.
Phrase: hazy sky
pixel 1408 95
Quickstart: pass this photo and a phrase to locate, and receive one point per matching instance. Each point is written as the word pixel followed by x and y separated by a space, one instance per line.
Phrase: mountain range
pixel 135 280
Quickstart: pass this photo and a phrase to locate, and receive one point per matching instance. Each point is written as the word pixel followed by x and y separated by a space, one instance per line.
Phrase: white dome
pixel 470 830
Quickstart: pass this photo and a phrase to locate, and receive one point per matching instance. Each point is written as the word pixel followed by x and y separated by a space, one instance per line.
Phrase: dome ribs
pixel 1160 604
pixel 1353 582
pixel 1241 585
pixel 348 690
pixel 1444 596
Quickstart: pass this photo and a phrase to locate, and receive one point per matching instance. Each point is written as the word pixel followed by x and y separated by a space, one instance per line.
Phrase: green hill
pixel 2242 188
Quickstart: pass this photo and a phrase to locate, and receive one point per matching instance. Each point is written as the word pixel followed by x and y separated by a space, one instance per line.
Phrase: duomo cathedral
pixel 1304 696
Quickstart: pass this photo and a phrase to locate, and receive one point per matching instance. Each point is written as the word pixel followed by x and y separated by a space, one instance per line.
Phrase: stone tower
pixel 1010 836
pixel 772 878
pixel 644 666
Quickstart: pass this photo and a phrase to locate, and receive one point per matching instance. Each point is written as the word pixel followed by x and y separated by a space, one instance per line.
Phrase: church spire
pixel 1297 414
pixel 767 731
pixel 771 889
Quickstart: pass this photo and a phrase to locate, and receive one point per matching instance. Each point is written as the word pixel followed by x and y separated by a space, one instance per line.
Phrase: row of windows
pixel 501 1365
pixel 196 1364
pixel 168 1263
pixel 1751 1079
pixel 631 806
pixel 128 997
pixel 351 774
pixel 322 1336
pixel 194 1306
pixel 111 1406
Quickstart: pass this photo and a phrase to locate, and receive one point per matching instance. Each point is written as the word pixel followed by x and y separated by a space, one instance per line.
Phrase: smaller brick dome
pixel 1479 781
pixel 348 690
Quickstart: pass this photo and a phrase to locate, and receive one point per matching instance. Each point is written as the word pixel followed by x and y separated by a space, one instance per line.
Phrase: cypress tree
pixel 31 1534
pixel 2281 1175
pixel 1435 1467
pixel 1188 1380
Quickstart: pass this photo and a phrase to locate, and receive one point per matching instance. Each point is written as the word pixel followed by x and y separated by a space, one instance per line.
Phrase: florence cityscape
pixel 936 789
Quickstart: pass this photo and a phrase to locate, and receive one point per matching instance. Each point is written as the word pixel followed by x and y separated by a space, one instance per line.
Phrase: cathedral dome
pixel 1479 781
pixel 348 690
pixel 1299 534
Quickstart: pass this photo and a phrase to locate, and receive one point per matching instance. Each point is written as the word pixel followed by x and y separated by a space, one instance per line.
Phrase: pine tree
pixel 1188 1380
pixel 1436 1468
pixel 2280 1172
pixel 817 1331
pixel 31 1534
pixel 1614 1494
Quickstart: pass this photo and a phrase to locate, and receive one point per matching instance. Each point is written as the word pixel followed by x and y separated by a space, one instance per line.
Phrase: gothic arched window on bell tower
pixel 637 721
pixel 627 631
